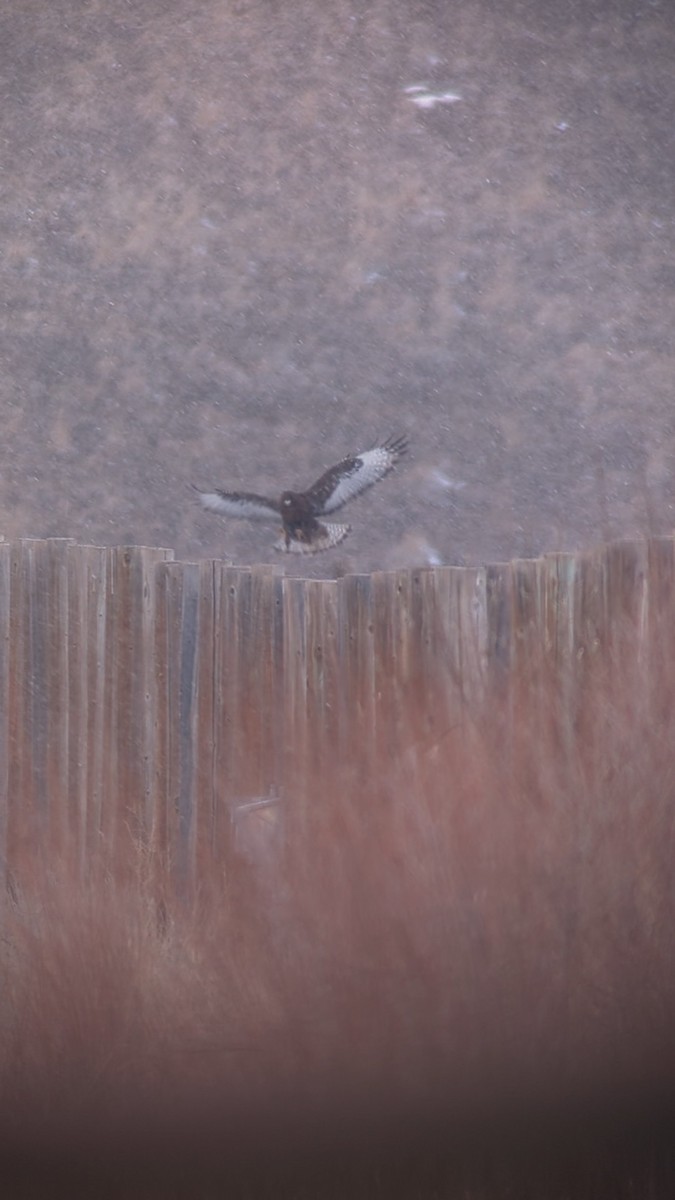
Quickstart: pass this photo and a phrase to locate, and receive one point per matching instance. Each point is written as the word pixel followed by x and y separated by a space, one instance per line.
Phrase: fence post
pixel 38 703
pixel 6 692
pixel 129 800
pixel 188 707
pixel 87 576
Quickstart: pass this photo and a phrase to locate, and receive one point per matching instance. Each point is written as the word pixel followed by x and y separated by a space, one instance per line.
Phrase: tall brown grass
pixel 460 956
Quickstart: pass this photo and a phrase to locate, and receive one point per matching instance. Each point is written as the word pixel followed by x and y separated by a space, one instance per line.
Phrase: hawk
pixel 302 530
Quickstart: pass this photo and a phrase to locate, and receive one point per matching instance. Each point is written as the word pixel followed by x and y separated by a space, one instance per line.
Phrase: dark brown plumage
pixel 302 530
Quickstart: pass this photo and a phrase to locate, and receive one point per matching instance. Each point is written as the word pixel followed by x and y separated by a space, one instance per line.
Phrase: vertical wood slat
pixel 5 693
pixel 661 574
pixel 235 719
pixel 222 660
pixel 262 652
pixel 295 731
pixel 389 627
pixel 203 718
pixel 561 571
pixel 322 686
pixel 38 700
pixel 531 665
pixel 87 571
pixel 128 804
pixel 221 741
pixel 257 803
pixel 260 829
pixel 20 821
pixel 176 638
pixel 246 709
pixel 158 698
pixel 230 701
pixel 498 597
pixel 435 615
pixel 527 646
pixel 472 604
pixel 357 674
pixel 183 663
pixel 49 685
pixel 660 628
pixel 627 585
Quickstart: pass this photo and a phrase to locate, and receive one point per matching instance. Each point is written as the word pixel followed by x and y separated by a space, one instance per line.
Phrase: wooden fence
pixel 178 702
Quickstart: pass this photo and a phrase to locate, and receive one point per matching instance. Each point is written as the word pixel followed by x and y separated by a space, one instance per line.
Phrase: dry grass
pixel 463 948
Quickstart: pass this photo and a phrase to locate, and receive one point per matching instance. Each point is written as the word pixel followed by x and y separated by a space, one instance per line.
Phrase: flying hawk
pixel 302 531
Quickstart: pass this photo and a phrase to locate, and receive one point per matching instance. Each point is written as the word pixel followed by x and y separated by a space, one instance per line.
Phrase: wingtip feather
pixel 396 444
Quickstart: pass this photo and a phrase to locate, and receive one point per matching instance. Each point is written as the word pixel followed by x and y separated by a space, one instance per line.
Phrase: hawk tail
pixel 324 538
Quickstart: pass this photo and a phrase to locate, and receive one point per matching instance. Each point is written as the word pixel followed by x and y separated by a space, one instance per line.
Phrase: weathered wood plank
pixel 87 566
pixel 528 646
pixel 322 681
pixel 129 702
pixel 20 832
pixel 661 574
pixel 5 691
pixel 389 639
pixel 222 640
pixel 232 751
pixel 188 708
pixel 296 751
pixel 256 804
pixel 660 627
pixel 438 599
pixel 177 633
pixel 627 588
pixel 203 720
pixel 355 624
pixel 247 732
pixel 499 618
pixel 472 604
pixel 38 772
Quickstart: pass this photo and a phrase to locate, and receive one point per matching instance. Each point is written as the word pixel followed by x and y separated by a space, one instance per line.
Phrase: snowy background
pixel 241 240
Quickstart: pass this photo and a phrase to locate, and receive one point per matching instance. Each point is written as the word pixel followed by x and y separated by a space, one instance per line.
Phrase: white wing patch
pixel 369 467
pixel 302 534
pixel 329 536
pixel 239 504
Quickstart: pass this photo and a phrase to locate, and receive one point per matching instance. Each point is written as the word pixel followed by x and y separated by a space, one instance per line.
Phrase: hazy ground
pixel 235 247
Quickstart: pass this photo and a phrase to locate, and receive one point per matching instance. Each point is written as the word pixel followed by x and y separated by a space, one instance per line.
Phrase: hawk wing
pixel 354 475
pixel 324 538
pixel 239 504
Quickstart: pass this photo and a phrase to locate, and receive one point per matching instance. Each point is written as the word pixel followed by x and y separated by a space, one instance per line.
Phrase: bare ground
pixel 235 247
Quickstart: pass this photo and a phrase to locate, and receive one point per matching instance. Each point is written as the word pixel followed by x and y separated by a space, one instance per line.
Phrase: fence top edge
pixel 582 555
pixel 72 543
